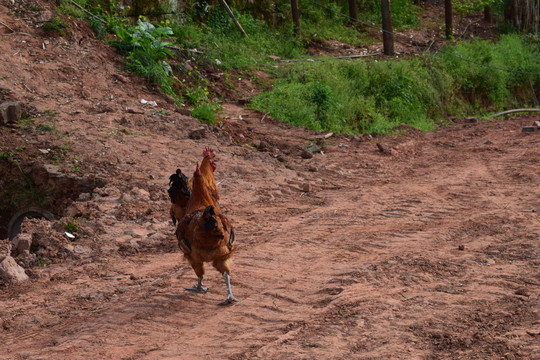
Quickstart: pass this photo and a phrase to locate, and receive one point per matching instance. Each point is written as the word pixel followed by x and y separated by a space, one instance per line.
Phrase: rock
pixel 5 247
pixel 10 112
pixel 528 129
pixel 181 111
pixel 120 78
pixel 10 271
pixel 134 110
pixel 461 247
pixel 198 133
pixel 22 243
pixel 307 188
pixel 470 120
pixel 383 148
pixel 306 154
pixel 274 57
pixel 537 124
pixel 85 197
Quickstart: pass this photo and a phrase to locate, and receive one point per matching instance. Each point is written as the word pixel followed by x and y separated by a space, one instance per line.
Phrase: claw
pixel 199 287
pixel 230 300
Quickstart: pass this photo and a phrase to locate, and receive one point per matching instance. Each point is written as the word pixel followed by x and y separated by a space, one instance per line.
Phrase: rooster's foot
pixel 230 300
pixel 198 288
pixel 230 297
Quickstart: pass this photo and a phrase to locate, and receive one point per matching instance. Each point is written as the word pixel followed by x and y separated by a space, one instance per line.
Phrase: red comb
pixel 208 152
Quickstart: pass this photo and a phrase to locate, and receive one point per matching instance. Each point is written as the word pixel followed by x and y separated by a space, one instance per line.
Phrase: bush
pixel 376 96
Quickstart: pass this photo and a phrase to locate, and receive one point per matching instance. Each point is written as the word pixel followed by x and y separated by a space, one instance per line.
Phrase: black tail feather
pixel 179 186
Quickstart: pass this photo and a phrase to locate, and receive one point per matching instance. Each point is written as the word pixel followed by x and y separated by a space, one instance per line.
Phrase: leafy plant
pixel 146 52
pixel 72 225
pixel 58 25
pixel 321 97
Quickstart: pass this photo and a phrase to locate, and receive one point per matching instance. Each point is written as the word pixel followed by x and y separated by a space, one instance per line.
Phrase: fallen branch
pixel 514 111
pixel 10 29
pixel 332 57
pixel 88 12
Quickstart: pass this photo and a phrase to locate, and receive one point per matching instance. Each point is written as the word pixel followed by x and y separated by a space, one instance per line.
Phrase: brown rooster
pixel 205 235
pixel 180 187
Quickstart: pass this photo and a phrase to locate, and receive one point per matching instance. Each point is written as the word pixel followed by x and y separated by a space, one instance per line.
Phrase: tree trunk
pixel 295 16
pixel 487 15
pixel 448 18
pixel 353 11
pixel 388 35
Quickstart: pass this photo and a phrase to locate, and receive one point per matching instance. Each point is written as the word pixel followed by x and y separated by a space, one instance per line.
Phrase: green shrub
pixel 358 96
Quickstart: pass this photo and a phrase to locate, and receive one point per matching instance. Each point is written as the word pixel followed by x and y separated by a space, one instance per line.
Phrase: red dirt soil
pixel 428 249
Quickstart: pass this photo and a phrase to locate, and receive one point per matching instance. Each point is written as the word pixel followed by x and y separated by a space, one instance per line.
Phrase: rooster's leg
pixel 199 287
pixel 230 297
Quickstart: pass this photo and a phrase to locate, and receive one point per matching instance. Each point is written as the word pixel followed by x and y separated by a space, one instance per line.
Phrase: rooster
pixel 206 235
pixel 208 166
pixel 180 187
pixel 179 192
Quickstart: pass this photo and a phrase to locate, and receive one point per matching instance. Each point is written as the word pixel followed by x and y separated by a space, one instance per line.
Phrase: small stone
pixel 528 129
pixel 307 187
pixel 461 247
pixel 22 243
pixel 134 110
pixel 181 111
pixel 274 57
pixel 198 133
pixel 10 271
pixel 120 78
pixel 382 148
pixel 306 154
pixel 84 196
pixel 10 112
pixel 470 120
pixel 537 124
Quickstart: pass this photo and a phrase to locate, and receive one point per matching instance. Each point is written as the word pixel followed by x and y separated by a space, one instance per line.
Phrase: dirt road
pixel 427 249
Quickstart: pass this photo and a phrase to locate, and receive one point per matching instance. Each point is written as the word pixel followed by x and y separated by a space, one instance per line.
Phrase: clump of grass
pixel 57 25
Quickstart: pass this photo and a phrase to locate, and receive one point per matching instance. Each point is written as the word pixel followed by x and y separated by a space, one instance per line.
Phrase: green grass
pixel 375 96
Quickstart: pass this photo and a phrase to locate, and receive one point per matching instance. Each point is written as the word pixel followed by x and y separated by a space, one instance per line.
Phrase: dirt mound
pixel 425 249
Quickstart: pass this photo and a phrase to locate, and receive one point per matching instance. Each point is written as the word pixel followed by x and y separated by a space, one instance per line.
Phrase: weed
pixel 25 121
pixel 22 194
pixel 72 225
pixel 42 262
pixel 58 25
pixel 19 148
pixel 146 52
pixel 66 145
pixel 51 113
pixel 45 128
pixel 76 166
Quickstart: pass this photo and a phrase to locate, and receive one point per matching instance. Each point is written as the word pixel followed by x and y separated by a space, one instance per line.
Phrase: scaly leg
pixel 230 297
pixel 199 287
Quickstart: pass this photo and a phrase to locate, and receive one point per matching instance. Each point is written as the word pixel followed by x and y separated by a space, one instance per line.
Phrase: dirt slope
pixel 429 250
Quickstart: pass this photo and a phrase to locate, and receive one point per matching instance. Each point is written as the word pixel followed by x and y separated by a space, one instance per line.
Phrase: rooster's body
pixel 206 235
